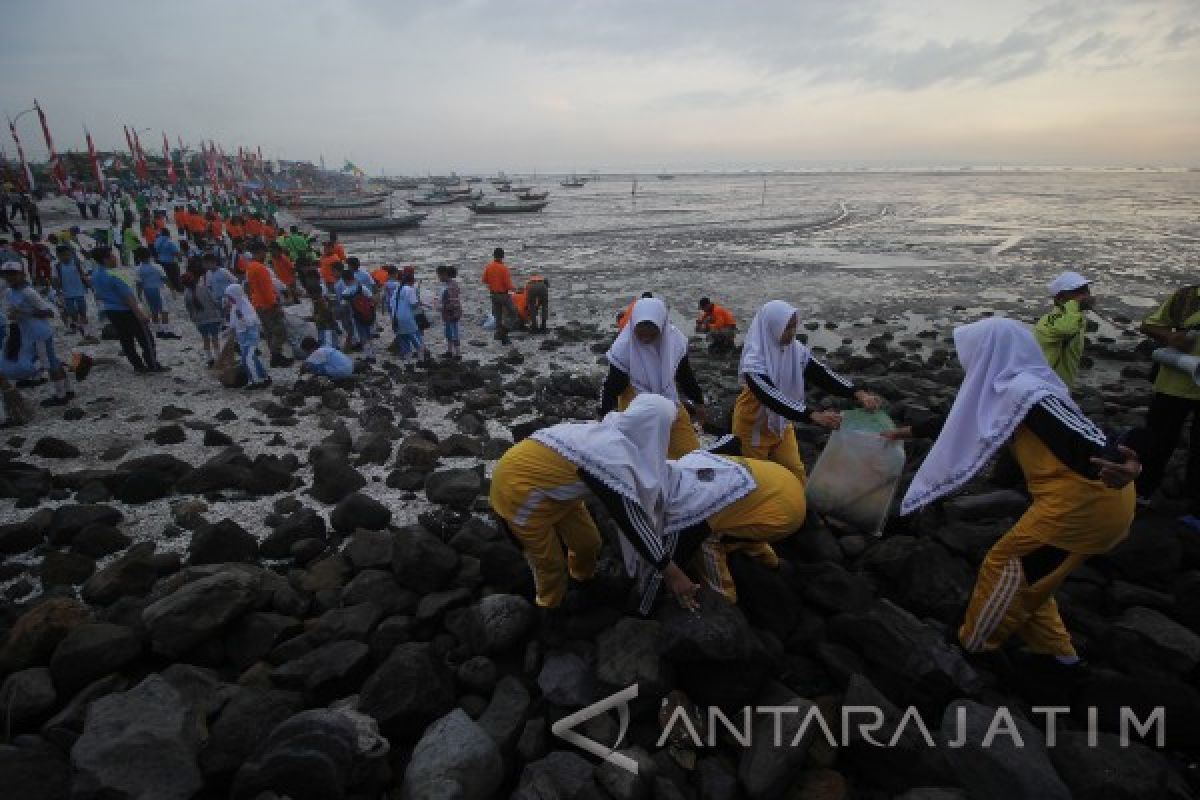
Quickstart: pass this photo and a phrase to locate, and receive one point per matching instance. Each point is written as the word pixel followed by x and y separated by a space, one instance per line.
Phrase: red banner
pixel 55 164
pixel 167 157
pixel 99 173
pixel 26 172
pixel 140 158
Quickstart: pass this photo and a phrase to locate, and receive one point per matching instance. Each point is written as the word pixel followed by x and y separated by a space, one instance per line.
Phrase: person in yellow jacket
pixel 1080 481
pixel 649 356
pixel 719 503
pixel 539 484
pixel 776 369
pixel 1060 333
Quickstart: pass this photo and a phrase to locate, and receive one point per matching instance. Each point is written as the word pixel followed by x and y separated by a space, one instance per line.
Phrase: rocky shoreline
pixel 305 597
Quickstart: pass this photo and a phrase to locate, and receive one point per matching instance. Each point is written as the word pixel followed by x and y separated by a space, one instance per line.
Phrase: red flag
pixel 99 173
pixel 140 158
pixel 55 165
pixel 26 172
pixel 167 157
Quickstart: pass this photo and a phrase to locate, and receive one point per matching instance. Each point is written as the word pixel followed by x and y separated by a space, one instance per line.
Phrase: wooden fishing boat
pixel 358 201
pixel 377 225
pixel 434 198
pixel 531 196
pixel 573 182
pixel 371 212
pixel 519 207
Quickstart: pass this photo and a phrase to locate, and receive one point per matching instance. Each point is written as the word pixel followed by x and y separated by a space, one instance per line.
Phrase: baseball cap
pixel 1067 282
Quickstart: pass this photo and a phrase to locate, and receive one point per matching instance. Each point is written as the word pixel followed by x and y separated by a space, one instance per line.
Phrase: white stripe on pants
pixel 248 347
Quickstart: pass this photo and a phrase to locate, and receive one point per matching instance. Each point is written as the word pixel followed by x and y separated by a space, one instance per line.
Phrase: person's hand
pixel 898 434
pixel 1117 475
pixel 830 420
pixel 868 400
pixel 682 587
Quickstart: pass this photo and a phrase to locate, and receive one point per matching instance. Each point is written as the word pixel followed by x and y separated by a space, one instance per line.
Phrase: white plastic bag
pixel 855 479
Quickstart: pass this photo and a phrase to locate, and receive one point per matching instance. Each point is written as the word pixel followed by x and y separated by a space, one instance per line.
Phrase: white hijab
pixel 1006 375
pixel 702 483
pixel 627 450
pixel 241 314
pixel 650 367
pixel 784 364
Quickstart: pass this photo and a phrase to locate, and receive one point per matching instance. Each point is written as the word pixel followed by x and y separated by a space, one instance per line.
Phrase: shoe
pixel 171 335
pixel 159 368
pixel 160 335
pixel 211 361
pixel 279 360
pixel 83 368
pixel 56 401
pixel 252 387
pixel 142 370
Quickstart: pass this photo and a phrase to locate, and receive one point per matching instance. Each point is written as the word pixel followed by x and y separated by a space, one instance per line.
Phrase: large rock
pixel 221 543
pixel 19 537
pixel 141 487
pixel 456 750
pixel 498 623
pixel 1108 770
pixel 325 672
pixel 359 511
pixel 244 723
pixel 999 768
pixel 139 744
pixel 417 451
pixel 251 637
pixel 333 479
pixel 34 773
pixel 36 633
pixel 309 756
pixel 407 690
pixel 71 519
pixel 505 715
pixel 779 743
pixel 421 561
pixel 628 653
pixel 567 679
pixel 198 611
pixel 909 660
pixel 370 550
pixel 26 696
pixel 999 504
pixel 1158 641
pixel 51 447
pixel 302 524
pixel 559 774
pixel 457 488
pixel 131 574
pixel 98 541
pixel 91 651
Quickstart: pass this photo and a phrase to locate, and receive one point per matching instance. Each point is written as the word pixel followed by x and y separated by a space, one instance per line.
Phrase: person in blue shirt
pixel 327 361
pixel 120 307
pixel 32 314
pixel 216 277
pixel 151 279
pixel 167 254
pixel 71 280
pixel 359 307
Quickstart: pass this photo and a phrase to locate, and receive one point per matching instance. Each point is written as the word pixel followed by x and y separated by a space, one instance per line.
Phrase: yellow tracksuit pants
pixel 539 494
pixel 767 446
pixel 683 436
pixel 1071 518
pixel 773 511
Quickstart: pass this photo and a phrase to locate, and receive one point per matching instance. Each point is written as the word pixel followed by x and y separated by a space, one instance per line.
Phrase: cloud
pixel 712 99
pixel 1182 34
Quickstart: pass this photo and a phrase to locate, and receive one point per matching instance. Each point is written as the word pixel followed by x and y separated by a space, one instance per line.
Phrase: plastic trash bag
pixel 856 474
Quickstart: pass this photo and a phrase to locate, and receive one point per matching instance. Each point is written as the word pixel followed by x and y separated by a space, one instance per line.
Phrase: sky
pixel 617 85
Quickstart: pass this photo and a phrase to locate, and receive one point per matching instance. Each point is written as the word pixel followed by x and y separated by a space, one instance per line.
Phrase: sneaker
pixel 160 335
pixel 51 402
pixel 251 387
pixel 211 361
pixel 171 335
pixel 142 370
pixel 159 368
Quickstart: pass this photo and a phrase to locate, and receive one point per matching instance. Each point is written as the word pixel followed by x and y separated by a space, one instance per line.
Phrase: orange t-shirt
pixel 339 251
pixel 260 287
pixel 253 227
pixel 148 234
pixel 325 266
pixel 284 269
pixel 216 228
pixel 236 231
pixel 196 224
pixel 269 233
pixel 718 318
pixel 183 219
pixel 160 223
pixel 497 277
pixel 380 276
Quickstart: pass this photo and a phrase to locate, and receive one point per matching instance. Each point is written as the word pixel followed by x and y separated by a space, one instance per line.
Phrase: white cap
pixel 1067 282
pixel 12 266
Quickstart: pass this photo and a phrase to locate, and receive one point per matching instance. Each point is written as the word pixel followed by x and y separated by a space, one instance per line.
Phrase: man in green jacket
pixel 1060 332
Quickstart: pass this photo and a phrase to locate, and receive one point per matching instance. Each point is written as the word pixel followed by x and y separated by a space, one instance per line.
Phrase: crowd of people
pixel 682 509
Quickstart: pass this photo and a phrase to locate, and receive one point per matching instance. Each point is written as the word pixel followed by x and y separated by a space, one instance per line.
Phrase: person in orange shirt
pixel 216 228
pixel 197 226
pixel 719 324
pixel 181 221
pixel 254 227
pixel 149 233
pixel 380 276
pixel 235 228
pixel 329 266
pixel 337 247
pixel 260 290
pixel 284 270
pixel 499 282
pixel 623 317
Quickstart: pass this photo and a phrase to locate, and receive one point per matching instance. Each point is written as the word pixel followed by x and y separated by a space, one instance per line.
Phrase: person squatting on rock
pixel 538 487
pixel 775 370
pixel 719 324
pixel 649 356
pixel 1079 478
pixel 325 361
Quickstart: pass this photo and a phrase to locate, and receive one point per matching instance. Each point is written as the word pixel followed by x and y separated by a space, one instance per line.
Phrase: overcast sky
pixel 554 85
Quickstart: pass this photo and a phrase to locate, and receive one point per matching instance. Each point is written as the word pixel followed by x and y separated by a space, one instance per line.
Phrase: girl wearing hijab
pixel 243 321
pixel 776 370
pixel 538 488
pixel 718 503
pixel 1080 480
pixel 649 356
